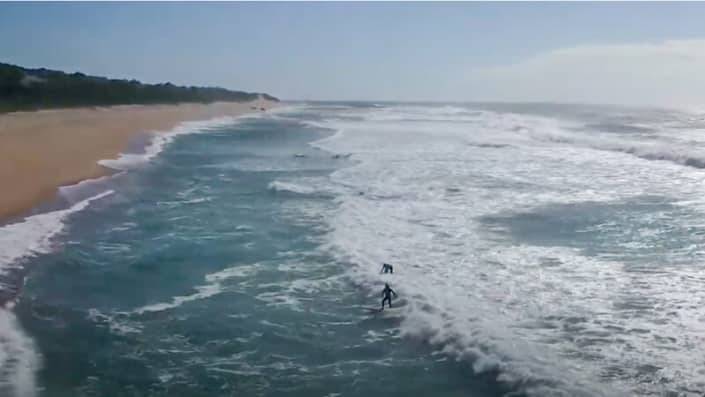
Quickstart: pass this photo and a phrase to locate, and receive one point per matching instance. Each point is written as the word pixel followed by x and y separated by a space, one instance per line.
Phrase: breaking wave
pixel 512 310
pixel 158 140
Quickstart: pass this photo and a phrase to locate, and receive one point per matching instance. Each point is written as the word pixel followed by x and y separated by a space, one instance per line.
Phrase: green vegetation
pixel 31 89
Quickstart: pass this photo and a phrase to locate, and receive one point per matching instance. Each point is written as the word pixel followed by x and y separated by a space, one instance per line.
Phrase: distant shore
pixel 45 149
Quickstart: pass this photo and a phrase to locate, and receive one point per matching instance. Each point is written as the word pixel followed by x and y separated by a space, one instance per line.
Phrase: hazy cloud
pixel 670 73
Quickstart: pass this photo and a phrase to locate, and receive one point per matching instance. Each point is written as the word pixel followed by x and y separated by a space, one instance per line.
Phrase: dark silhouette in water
pixel 387 293
pixel 387 268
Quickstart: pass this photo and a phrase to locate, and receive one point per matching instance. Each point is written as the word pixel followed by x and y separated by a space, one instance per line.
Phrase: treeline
pixel 30 89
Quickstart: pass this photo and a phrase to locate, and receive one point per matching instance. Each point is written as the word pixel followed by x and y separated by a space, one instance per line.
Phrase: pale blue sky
pixel 407 51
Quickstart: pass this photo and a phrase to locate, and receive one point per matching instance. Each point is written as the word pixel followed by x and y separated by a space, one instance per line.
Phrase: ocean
pixel 538 250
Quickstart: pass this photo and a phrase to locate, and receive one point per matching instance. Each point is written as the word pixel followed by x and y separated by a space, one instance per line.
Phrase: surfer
pixel 387 268
pixel 387 293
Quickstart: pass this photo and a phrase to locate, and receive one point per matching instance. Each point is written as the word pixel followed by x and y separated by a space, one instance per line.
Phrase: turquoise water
pixel 540 250
pixel 197 278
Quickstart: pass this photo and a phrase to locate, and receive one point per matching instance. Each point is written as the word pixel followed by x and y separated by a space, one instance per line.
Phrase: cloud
pixel 667 73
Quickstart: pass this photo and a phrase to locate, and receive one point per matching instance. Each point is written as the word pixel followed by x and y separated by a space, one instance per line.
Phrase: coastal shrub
pixel 29 89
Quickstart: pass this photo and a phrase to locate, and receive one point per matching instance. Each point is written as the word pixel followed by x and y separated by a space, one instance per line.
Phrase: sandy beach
pixel 42 150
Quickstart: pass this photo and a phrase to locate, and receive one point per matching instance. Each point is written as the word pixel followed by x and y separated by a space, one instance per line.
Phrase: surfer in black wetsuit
pixel 387 268
pixel 387 293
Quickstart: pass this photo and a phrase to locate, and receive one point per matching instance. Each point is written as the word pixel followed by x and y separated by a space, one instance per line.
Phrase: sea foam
pixel 19 359
pixel 538 319
pixel 33 235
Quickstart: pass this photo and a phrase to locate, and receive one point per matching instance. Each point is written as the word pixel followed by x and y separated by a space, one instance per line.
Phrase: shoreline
pixel 41 151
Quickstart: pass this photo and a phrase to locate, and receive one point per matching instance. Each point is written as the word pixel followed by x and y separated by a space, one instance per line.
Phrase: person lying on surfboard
pixel 387 268
pixel 387 293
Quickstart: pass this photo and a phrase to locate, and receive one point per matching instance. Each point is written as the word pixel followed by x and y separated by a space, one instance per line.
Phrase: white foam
pixel 19 360
pixel 428 177
pixel 214 286
pixel 33 235
pixel 86 188
pixel 117 322
pixel 669 147
pixel 204 291
pixel 159 140
pixel 306 186
pixel 282 186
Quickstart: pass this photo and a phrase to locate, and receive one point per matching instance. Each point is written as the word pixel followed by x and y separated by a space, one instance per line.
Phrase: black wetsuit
pixel 387 268
pixel 387 296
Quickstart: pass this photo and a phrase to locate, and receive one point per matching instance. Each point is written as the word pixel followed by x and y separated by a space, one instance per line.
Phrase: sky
pixel 625 53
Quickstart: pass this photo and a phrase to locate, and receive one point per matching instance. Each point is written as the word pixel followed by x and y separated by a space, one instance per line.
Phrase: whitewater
pixel 562 253
pixel 538 250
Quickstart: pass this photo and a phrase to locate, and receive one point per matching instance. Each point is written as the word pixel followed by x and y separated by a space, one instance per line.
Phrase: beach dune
pixel 42 150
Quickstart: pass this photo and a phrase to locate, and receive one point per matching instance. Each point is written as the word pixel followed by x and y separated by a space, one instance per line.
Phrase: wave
pixel 289 187
pixel 321 144
pixel 69 195
pixel 459 298
pixel 214 286
pixel 436 313
pixel 659 142
pixel 216 283
pixel 518 127
pixel 655 143
pixel 660 150
pixel 179 203
pixel 116 323
pixel 19 360
pixel 410 113
pixel 160 139
pixel 33 235
pixel 204 291
pixel 19 241
pixel 307 186
pixel 673 154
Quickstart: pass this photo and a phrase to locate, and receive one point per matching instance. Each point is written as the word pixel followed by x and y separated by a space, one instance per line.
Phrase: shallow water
pixel 540 250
